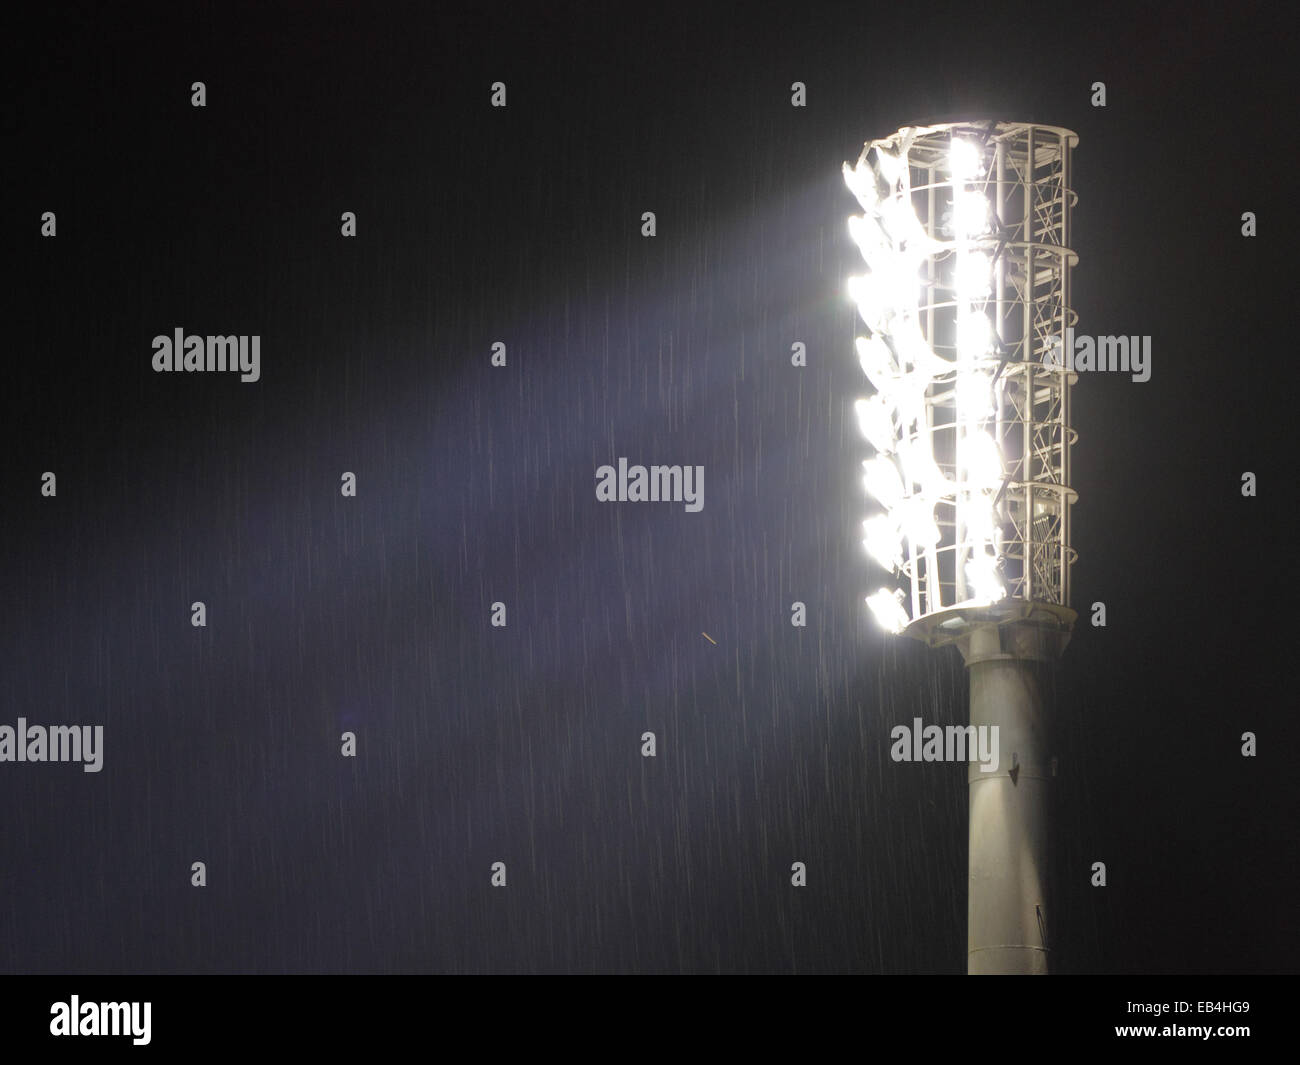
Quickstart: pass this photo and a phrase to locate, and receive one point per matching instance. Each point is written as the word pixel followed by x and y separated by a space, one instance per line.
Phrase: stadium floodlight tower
pixel 966 234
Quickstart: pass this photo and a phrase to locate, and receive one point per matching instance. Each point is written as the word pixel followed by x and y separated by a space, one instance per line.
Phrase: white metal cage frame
pixel 965 231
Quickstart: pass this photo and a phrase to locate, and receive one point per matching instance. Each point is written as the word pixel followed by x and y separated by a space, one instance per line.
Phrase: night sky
pixel 475 484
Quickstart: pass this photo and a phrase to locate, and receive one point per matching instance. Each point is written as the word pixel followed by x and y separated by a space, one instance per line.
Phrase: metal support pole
pixel 1009 896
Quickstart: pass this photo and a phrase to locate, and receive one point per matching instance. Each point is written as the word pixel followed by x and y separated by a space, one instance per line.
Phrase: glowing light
pixel 982 462
pixel 883 297
pixel 899 220
pixel 882 542
pixel 888 609
pixel 865 295
pixel 965 160
pixel 862 182
pixel 920 467
pixel 951 318
pixel 911 345
pixel 918 522
pixel 880 477
pixel 983 578
pixel 876 360
pixel 889 165
pixel 876 421
pixel 974 335
pixel 979 521
pixel 975 397
pixel 904 392
pixel 871 242
pixel 972 276
pixel 970 214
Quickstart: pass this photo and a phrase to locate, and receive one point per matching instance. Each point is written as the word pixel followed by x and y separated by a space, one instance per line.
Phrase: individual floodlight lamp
pixel 880 478
pixel 882 541
pixel 887 606
pixel 965 230
pixel 876 421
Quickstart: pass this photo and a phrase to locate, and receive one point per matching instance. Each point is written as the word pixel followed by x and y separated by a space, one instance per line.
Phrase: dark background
pixel 476 484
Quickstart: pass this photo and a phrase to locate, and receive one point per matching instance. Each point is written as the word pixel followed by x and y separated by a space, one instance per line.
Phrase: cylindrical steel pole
pixel 1009 891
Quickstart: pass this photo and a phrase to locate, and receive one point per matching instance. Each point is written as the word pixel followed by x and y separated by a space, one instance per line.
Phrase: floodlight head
pixel 965 231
